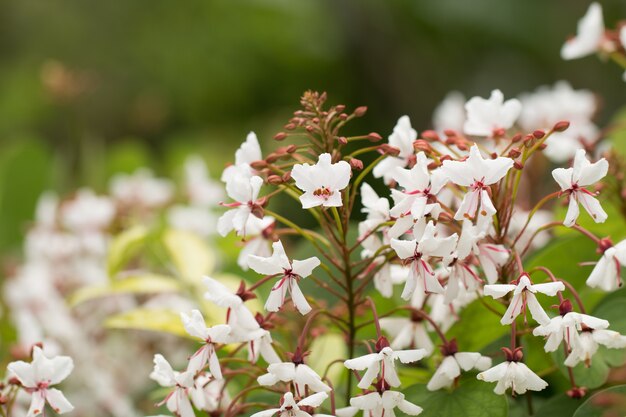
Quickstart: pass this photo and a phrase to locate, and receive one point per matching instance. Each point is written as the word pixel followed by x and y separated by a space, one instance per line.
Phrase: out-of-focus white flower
pixel 445 314
pixel 196 327
pixel 606 275
pixel 201 190
pixel 548 105
pixel 376 404
pixel 491 256
pixel 573 182
pixel 417 253
pixel 291 273
pixel 589 36
pixel 524 296
pixel 248 152
pixel 566 327
pixel 452 364
pixel 87 212
pixel 488 116
pixel 376 208
pixel 177 401
pixel 245 192
pixel 258 239
pixel 322 183
pixel 588 342
pixel 38 376
pixel 237 314
pixel 289 407
pixel 407 333
pixel 514 375
pixel 301 375
pixel 383 362
pixel 208 394
pixel 518 219
pixel 141 189
pixel 402 138
pixel 194 219
pixel 450 113
pixel 477 174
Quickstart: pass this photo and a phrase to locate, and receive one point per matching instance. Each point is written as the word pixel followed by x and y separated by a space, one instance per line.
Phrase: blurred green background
pixel 88 88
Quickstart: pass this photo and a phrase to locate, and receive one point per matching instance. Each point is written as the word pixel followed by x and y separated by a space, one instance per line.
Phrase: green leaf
pixel 608 402
pixel 472 398
pixel 326 349
pixel 124 246
pixel 559 405
pixel 139 284
pixel 156 320
pixel 485 325
pixel 191 256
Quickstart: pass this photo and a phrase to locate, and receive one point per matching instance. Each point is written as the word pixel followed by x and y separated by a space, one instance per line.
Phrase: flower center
pixel 323 192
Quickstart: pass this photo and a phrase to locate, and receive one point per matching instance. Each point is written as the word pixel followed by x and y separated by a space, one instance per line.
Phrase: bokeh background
pixel 88 88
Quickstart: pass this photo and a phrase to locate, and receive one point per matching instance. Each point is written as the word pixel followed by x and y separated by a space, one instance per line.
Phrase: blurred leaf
pixel 325 349
pixel 606 403
pixel 137 284
pixel 156 320
pixel 472 398
pixel 124 246
pixel 485 326
pixel 614 226
pixel 559 405
pixel 127 156
pixel 192 256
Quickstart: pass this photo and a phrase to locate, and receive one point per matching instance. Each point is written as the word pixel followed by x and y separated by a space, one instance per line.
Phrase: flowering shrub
pixel 483 232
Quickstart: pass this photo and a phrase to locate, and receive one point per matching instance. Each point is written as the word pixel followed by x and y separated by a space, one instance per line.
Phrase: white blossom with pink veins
pixel 322 183
pixel 573 182
pixel 402 138
pixel 485 116
pixel 383 361
pixel 290 408
pixel 524 296
pixel 177 401
pixel 38 376
pixel 376 404
pixel 210 336
pixel 514 375
pixel 290 272
pixel 301 375
pixel 606 275
pixel 256 242
pixel 417 253
pixel 589 37
pixel 245 192
pixel 566 328
pixel 477 174
pixel 490 255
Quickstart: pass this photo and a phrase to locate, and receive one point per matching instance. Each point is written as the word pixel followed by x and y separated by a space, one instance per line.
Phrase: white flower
pixel 289 407
pixel 384 276
pixel 514 375
pixel 574 180
pixel 196 327
pixel 487 116
pixel 418 187
pixel 87 212
pixel 491 256
pixel 606 274
pixel 245 192
pixel 451 366
pixel 195 219
pixel 375 404
pixel 539 219
pixel 177 401
pixel 208 394
pixel 450 113
pixel 589 35
pixel 477 174
pixel 142 189
pixel 38 376
pixel 524 296
pixel 402 138
pixel 383 362
pixel 588 342
pixel 248 152
pixel 566 327
pixel 417 253
pixel 322 183
pixel 237 314
pixel 201 189
pixel 300 374
pixel 258 239
pixel 261 345
pixel 376 208
pixel 407 332
pixel 291 273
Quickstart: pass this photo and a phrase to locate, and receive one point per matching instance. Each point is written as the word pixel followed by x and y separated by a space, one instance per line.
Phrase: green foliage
pixel 328 348
pixel 472 398
pixel 605 403
pixel 191 256
pixel 124 246
pixel 157 320
pixel 485 325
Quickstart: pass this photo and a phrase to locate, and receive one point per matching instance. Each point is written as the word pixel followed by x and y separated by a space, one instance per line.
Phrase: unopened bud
pixel 499 132
pixel 542 146
pixel 430 135
pixel 462 145
pixel 604 244
pixel 339 108
pixel 518 165
pixel 290 126
pixel 577 392
pixel 565 307
pixel 280 136
pixel 561 126
pixel 514 153
pixel 356 164
pixel 3 399
pixel 316 120
pixel 258 165
pixel 387 149
pixel 450 133
pixel 343 116
pixel 538 134
pixel 374 137
pixel 274 179
pixel 309 128
pixel 360 111
pixel 291 148
pixel 516 138
pixel 342 140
